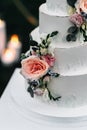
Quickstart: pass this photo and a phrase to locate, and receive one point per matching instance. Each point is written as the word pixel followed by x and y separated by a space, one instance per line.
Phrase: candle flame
pixel 8 56
pixel 15 39
pixel 2 23
pixel 9 53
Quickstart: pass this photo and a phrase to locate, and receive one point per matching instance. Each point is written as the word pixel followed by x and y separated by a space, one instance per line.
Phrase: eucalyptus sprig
pixel 45 42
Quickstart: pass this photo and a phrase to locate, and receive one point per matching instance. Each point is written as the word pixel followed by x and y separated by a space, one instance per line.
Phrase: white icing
pixel 72 90
pixel 58 7
pixel 71 61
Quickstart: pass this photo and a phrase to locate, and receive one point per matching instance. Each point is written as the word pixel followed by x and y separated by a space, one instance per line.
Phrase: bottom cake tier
pixel 60 110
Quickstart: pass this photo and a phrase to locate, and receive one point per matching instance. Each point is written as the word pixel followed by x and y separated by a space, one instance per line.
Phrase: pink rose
pixel 83 5
pixel 76 19
pixel 49 59
pixel 33 67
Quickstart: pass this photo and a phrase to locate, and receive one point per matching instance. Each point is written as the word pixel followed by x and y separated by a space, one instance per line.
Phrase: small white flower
pixel 43 51
pixel 45 95
pixel 83 26
pixel 49 40
pixel 71 10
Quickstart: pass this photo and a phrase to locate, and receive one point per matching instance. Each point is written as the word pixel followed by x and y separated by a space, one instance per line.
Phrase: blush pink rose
pixel 77 19
pixel 34 68
pixel 49 59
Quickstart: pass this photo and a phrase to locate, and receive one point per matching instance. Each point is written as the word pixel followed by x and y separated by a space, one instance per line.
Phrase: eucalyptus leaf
pixel 47 37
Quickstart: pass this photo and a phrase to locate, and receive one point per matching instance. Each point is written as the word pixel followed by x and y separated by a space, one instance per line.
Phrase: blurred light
pixel 8 56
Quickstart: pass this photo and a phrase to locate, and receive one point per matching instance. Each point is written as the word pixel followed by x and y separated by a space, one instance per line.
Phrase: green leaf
pixel 54 33
pixel 30 90
pixel 44 42
pixel 47 37
pixel 23 56
pixel 51 97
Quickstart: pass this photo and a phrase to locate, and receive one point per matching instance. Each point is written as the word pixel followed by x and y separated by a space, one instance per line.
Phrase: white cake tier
pixel 54 112
pixel 58 7
pixel 71 60
pixel 72 89
pixel 49 22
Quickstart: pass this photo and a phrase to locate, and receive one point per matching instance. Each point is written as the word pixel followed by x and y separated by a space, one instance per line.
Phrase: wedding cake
pixel 55 66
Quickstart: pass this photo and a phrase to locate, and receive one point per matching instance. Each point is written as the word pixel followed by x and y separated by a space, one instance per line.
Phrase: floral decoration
pixel 37 66
pixel 79 20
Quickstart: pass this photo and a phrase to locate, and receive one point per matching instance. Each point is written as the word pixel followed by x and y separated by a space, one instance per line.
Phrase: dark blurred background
pixel 21 17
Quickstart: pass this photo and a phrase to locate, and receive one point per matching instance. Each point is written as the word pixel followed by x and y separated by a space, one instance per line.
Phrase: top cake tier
pixel 58 7
pixel 68 17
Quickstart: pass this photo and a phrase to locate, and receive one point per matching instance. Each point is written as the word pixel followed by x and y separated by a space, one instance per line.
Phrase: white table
pixel 12 119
